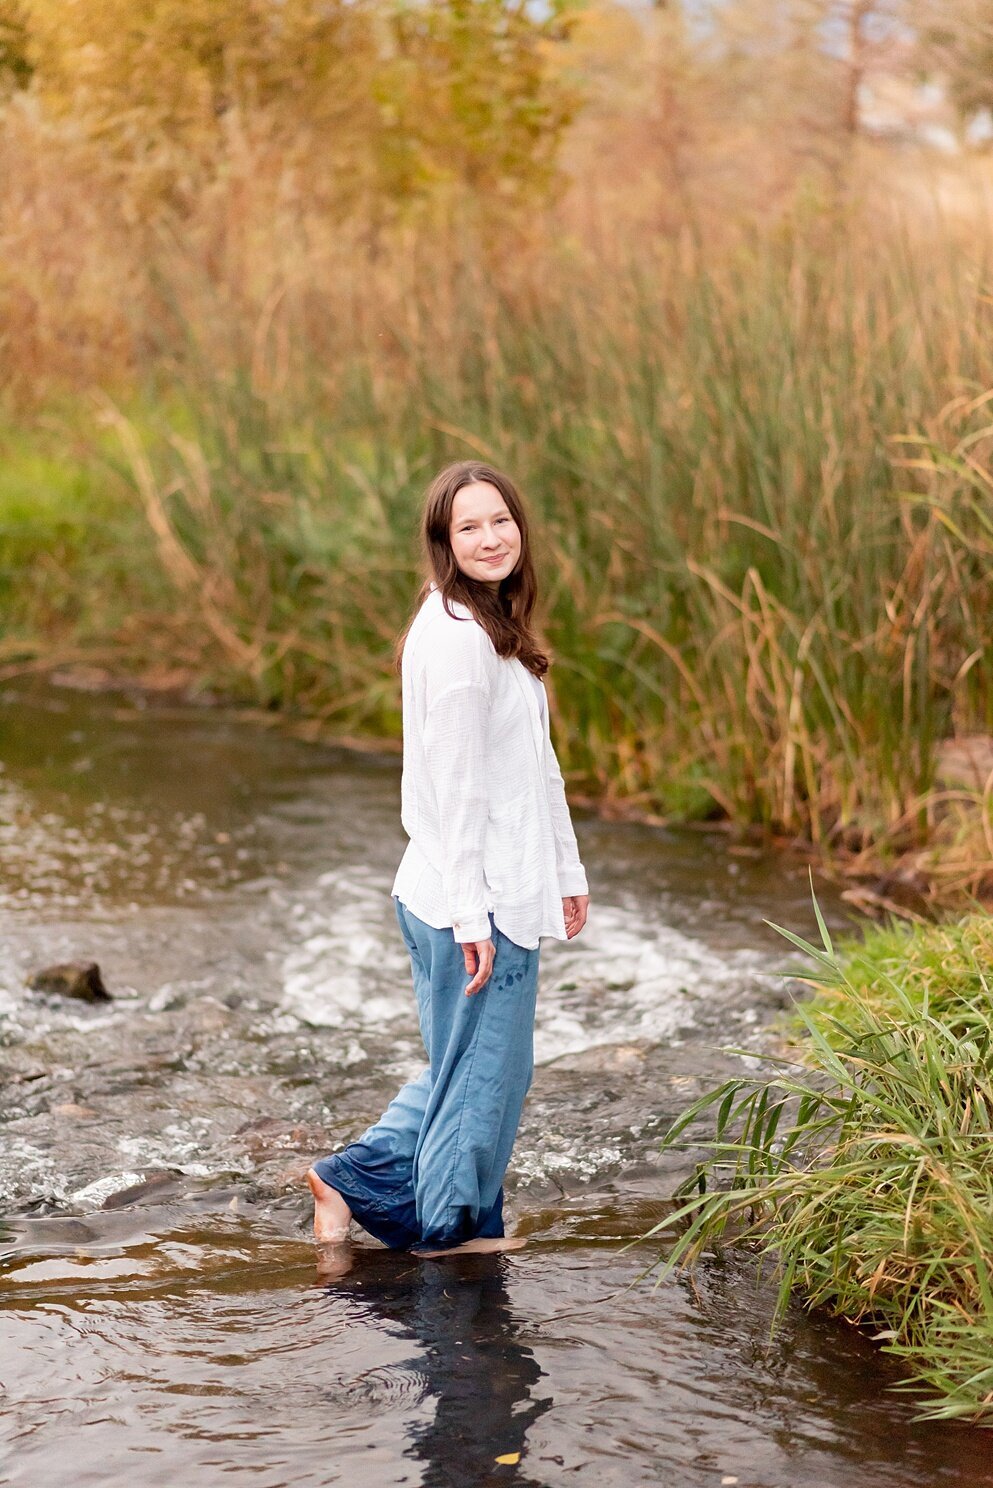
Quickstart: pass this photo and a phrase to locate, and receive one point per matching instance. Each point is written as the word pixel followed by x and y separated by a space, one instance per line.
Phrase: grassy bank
pixel 761 480
pixel 863 1168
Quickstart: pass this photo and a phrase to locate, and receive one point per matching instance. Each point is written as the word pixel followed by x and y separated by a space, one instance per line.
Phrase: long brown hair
pixel 504 613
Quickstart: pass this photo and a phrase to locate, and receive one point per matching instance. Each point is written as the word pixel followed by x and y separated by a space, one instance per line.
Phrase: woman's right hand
pixel 479 956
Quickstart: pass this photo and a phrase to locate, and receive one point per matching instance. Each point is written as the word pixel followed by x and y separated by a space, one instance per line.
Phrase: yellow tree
pixel 361 99
pixel 156 85
pixel 956 46
pixel 470 98
pixel 15 64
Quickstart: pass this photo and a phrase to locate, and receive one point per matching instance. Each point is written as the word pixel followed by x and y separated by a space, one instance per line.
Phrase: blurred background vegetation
pixel 712 280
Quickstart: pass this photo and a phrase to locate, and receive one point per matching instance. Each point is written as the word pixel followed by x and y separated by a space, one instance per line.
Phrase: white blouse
pixel 539 692
pixel 482 796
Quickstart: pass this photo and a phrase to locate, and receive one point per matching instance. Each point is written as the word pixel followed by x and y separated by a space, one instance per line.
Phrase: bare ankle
pixel 332 1216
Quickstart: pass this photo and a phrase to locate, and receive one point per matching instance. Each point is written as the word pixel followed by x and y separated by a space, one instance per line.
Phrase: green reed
pixel 864 1168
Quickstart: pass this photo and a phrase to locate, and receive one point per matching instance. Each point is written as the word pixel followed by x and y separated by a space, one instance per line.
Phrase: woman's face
pixel 485 539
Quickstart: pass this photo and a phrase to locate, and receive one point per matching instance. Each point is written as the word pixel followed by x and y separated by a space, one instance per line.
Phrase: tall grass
pixel 865 1168
pixel 755 451
pixel 76 561
pixel 758 595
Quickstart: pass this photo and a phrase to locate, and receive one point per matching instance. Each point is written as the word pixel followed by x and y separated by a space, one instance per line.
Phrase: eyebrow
pixel 464 521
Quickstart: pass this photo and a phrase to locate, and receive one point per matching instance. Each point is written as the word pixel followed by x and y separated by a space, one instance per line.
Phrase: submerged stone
pixel 79 979
pixel 156 1184
pixel 902 892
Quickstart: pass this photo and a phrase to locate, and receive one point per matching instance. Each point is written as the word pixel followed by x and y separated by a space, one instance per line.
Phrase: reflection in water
pixel 473 1367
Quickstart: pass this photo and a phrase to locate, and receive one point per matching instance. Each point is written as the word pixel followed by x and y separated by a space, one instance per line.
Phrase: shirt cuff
pixel 572 881
pixel 472 929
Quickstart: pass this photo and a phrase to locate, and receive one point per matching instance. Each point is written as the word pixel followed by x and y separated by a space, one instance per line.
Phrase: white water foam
pixel 624 980
pixel 348 967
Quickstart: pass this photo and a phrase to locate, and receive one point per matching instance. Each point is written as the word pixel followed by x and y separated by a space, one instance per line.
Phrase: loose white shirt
pixel 482 797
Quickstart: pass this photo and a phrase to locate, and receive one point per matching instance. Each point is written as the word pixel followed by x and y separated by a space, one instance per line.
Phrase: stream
pixel 163 1319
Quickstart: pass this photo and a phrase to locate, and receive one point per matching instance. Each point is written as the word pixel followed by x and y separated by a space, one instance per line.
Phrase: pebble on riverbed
pixel 79 979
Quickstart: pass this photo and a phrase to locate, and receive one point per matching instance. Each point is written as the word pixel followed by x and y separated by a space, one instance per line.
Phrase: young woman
pixel 491 866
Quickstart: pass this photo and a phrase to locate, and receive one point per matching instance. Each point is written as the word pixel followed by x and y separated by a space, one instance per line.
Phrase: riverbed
pixel 164 1318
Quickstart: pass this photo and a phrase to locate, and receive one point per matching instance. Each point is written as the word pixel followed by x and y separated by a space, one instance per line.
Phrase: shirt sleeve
pixel 455 734
pixel 569 869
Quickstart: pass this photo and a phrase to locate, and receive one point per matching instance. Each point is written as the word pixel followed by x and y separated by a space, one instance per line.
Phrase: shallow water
pixel 159 1285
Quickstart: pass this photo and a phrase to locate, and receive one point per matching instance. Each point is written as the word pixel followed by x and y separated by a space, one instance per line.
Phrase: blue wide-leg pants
pixel 430 1172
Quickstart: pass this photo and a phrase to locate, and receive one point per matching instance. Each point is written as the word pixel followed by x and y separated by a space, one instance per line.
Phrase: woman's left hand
pixel 574 912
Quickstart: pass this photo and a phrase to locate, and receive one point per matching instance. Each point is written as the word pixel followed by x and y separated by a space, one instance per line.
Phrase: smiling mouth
pixel 501 559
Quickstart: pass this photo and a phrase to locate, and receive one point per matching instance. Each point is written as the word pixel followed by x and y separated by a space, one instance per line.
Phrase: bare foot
pixel 332 1215
pixel 474 1247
